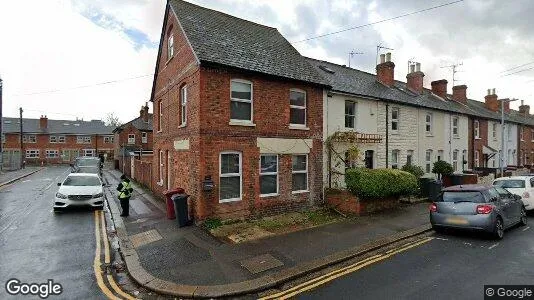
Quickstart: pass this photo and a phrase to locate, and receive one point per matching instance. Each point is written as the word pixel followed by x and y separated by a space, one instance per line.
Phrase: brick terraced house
pixel 54 141
pixel 237 106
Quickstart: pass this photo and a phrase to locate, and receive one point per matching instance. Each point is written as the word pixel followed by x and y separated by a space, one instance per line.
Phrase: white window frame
pixel 456 127
pixel 83 139
pixel 251 101
pixel 394 120
pixel 160 113
pixel 29 138
pixel 131 138
pixel 108 139
pixel 160 167
pixel 476 129
pixel 271 174
pixel 31 152
pixel 183 106
pixel 477 158
pixel 395 159
pixel 455 160
pixel 240 174
pixel 144 137
pixel 353 116
pixel 428 161
pixel 305 108
pixel 429 124
pixel 170 47
pixel 87 151
pixel 49 151
pixel 300 172
pixel 61 139
pixel 53 139
pixel 494 130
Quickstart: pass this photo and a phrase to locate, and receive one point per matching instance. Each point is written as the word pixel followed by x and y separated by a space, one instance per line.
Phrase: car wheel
pixel 498 230
pixel 438 229
pixel 523 219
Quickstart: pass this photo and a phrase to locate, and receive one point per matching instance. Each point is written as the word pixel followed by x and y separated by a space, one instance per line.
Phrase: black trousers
pixel 125 205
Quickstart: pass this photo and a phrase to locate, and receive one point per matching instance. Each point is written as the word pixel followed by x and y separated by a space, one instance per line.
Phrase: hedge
pixel 380 183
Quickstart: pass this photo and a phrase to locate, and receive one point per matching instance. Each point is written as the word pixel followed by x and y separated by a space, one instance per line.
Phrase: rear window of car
pixel 510 183
pixel 474 196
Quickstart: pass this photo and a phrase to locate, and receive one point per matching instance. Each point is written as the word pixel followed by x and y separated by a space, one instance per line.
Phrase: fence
pixel 11 160
pixel 143 172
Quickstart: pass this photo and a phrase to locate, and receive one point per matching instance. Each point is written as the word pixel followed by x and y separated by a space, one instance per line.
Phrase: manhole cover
pixel 261 263
pixel 144 238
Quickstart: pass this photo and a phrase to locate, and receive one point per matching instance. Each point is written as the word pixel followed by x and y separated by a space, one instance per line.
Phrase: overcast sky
pixel 69 46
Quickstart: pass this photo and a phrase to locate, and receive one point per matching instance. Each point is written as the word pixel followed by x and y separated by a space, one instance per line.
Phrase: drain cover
pixel 261 263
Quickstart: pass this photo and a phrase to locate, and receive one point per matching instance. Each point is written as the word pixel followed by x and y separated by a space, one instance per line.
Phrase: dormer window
pixel 170 46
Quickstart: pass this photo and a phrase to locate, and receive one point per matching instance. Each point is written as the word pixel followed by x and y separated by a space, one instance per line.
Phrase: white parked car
pixel 80 189
pixel 519 185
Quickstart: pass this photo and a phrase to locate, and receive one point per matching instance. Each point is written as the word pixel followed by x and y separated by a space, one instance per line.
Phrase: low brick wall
pixel 347 203
pixel 143 172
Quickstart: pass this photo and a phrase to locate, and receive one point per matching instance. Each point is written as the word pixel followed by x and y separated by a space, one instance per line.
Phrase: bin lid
pixel 179 196
pixel 174 191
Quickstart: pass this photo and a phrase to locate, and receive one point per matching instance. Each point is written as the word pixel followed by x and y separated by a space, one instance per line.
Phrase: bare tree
pixel 112 120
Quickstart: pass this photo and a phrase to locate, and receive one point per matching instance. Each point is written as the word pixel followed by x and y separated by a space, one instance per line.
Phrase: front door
pixel 369 159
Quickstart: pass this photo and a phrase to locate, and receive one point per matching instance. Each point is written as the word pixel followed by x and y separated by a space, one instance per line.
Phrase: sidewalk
pixel 189 262
pixel 12 176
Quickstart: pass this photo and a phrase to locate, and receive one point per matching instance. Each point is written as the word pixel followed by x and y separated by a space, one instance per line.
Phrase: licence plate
pixel 457 221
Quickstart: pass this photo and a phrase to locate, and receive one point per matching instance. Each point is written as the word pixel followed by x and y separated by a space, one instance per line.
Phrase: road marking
pixel 493 246
pixel 96 263
pixel 344 271
pixel 526 228
pixel 441 239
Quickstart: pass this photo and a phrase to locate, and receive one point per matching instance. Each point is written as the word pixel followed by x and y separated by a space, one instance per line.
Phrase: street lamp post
pixel 501 158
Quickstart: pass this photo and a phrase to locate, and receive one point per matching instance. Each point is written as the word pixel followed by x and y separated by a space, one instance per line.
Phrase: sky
pixel 87 58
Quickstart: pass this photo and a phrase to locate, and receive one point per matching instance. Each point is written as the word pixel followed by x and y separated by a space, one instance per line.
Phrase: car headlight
pixel 99 195
pixel 61 196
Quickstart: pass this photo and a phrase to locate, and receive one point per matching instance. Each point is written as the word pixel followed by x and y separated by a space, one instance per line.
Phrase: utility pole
pixel 21 143
pixel 351 54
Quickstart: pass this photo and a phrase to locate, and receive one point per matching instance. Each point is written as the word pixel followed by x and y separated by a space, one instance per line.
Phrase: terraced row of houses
pixel 247 125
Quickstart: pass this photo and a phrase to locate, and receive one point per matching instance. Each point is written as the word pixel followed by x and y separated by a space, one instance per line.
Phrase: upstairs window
pixel 183 105
pixel 131 138
pixel 297 105
pixel 476 129
pixel 394 119
pixel 350 114
pixel 241 100
pixel 53 139
pixel 170 47
pixel 144 137
pixel 108 139
pixel 61 139
pixel 455 126
pixel 428 123
pixel 160 115
pixel 29 138
pixel 83 139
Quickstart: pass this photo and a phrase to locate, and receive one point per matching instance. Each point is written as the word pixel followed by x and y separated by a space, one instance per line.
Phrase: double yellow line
pixel 311 284
pixel 100 234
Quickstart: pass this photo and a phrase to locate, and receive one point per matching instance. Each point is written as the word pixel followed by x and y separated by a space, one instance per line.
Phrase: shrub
pixel 212 223
pixel 442 167
pixel 417 171
pixel 380 183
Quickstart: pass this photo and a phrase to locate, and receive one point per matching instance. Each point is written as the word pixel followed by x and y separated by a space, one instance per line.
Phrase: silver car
pixel 477 207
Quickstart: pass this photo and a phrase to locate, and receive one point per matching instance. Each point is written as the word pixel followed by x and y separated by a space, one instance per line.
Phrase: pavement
pixel 12 176
pixel 189 262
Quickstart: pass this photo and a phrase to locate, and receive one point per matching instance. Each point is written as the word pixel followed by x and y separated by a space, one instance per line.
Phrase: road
pixel 37 245
pixel 448 266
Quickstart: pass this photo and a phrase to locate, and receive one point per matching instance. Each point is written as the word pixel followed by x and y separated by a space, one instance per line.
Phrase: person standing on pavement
pixel 125 192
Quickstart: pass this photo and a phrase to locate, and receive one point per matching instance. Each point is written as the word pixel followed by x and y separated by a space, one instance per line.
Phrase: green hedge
pixel 380 183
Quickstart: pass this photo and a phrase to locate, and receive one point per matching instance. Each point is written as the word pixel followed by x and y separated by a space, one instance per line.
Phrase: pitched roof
pixel 12 125
pixel 360 83
pixel 138 123
pixel 223 39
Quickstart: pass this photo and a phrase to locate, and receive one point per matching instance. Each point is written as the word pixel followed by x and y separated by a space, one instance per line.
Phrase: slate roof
pixel 12 125
pixel 138 123
pixel 223 39
pixel 360 83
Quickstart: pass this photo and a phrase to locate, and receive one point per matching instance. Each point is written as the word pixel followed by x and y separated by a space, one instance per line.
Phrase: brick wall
pixel 477 144
pixel 526 145
pixel 122 138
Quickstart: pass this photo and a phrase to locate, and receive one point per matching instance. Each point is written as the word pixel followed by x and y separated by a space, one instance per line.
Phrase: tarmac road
pixel 37 245
pixel 450 266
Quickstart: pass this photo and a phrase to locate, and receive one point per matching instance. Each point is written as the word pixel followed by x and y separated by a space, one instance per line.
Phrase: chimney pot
pixel 417 67
pixel 388 56
pixel 412 68
pixel 439 88
pixel 493 91
pixel 382 58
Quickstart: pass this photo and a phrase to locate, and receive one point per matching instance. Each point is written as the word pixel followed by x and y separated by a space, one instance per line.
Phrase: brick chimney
pixel 439 88
pixel 43 122
pixel 385 70
pixel 459 93
pixel 524 109
pixel 506 104
pixel 491 100
pixel 415 79
pixel 144 112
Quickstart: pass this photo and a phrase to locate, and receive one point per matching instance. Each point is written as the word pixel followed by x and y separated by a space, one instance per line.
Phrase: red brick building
pixel 54 141
pixel 237 106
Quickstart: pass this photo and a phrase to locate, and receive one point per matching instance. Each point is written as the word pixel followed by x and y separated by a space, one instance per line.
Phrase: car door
pixel 503 202
pixel 513 205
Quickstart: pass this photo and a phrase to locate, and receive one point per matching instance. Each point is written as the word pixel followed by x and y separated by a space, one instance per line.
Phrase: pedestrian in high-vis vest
pixel 125 192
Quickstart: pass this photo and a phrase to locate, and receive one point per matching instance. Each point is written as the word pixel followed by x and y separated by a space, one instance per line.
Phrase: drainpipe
pixel 387 134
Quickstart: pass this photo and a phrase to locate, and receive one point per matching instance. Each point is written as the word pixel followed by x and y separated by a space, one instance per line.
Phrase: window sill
pixel 428 134
pixel 298 127
pixel 229 200
pixel 300 192
pixel 269 195
pixel 182 125
pixel 478 138
pixel 394 132
pixel 160 183
pixel 241 123
pixel 168 60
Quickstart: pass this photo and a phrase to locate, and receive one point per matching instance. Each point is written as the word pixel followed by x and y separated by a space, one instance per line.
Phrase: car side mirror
pixel 59 184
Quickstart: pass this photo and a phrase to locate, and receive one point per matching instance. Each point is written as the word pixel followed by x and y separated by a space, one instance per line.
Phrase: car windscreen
pixel 472 196
pixel 88 162
pixel 82 181
pixel 88 170
pixel 510 183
